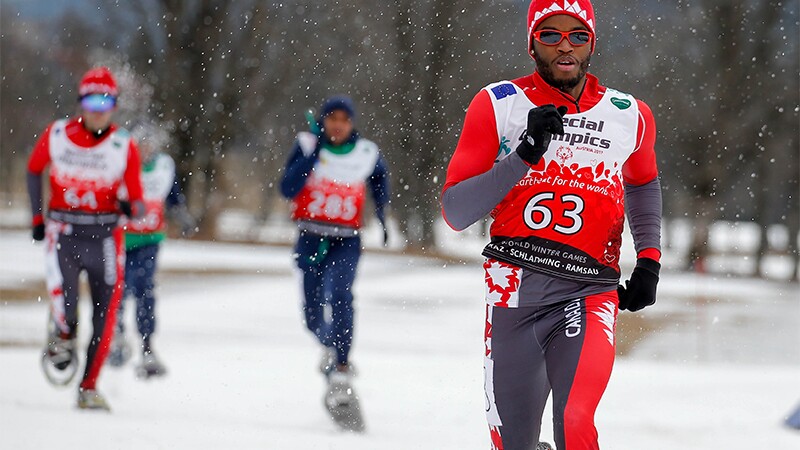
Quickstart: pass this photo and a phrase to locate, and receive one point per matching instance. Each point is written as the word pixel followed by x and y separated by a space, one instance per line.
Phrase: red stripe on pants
pixel 592 373
pixel 90 380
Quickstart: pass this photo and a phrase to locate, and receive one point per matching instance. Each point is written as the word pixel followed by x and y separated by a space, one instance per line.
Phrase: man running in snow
pixel 557 159
pixel 89 158
pixel 327 177
pixel 143 237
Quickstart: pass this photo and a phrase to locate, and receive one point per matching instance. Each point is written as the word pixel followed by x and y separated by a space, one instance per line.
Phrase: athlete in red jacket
pixel 89 159
pixel 583 157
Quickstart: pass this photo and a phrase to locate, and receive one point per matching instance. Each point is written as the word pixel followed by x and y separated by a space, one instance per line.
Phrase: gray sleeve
pixel 643 206
pixel 35 193
pixel 468 201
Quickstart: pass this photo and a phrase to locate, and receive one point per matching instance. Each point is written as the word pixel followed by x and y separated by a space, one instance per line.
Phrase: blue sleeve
pixel 175 196
pixel 379 183
pixel 296 171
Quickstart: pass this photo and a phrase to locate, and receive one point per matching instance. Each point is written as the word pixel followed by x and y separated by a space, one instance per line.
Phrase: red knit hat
pixel 542 9
pixel 98 81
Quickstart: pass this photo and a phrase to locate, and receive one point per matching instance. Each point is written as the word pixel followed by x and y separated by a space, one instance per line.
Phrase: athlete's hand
pixel 133 210
pixel 640 291
pixel 37 225
pixel 125 207
pixel 310 144
pixel 38 232
pixel 543 122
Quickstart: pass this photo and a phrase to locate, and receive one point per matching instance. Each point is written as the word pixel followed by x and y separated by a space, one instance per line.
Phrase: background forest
pixel 231 80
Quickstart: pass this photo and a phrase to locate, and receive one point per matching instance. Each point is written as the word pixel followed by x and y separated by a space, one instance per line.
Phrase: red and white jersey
pixel 335 190
pixel 158 176
pixel 86 171
pixel 565 217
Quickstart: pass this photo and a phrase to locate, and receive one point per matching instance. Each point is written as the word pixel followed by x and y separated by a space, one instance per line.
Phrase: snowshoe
pixel 150 367
pixel 544 446
pixel 59 357
pixel 120 351
pixel 91 399
pixel 342 402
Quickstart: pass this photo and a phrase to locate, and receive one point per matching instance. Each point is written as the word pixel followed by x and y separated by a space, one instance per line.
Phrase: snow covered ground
pixel 714 365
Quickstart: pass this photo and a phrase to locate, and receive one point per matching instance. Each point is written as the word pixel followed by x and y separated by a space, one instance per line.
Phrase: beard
pixel 565 85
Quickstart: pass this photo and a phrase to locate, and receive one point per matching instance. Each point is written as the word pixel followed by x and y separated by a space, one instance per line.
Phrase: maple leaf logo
pixel 502 283
pixel 497 440
pixel 606 313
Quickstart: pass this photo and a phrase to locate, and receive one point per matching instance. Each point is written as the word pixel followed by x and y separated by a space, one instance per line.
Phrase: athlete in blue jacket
pixel 326 178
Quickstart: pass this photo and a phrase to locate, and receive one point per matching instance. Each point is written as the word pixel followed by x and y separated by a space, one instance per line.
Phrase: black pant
pixel 97 250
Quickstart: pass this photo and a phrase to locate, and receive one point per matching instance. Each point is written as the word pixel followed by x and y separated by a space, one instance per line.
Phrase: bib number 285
pixel 332 206
pixel 538 213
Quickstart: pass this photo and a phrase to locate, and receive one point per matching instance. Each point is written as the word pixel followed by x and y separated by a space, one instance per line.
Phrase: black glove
pixel 125 207
pixel 543 122
pixel 640 290
pixel 38 232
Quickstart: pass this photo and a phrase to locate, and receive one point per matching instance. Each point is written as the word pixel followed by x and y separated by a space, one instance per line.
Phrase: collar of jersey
pixel 544 93
pixel 79 135
pixel 343 149
pixel 149 165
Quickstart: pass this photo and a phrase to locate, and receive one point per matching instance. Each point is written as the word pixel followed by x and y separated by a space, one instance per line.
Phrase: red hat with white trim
pixel 97 90
pixel 98 81
pixel 542 9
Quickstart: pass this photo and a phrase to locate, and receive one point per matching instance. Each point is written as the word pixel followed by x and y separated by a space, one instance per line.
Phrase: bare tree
pixel 204 59
pixel 720 76
pixel 735 177
pixel 231 80
pixel 38 85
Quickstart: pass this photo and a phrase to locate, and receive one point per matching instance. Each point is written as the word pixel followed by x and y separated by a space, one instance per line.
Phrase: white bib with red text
pixel 156 183
pixel 336 188
pixel 87 179
pixel 565 217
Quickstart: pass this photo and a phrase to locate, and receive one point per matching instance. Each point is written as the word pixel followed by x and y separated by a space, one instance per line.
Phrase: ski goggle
pixel 578 38
pixel 98 102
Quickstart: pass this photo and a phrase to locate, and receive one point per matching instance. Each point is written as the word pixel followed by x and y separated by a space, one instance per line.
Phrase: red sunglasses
pixel 577 38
